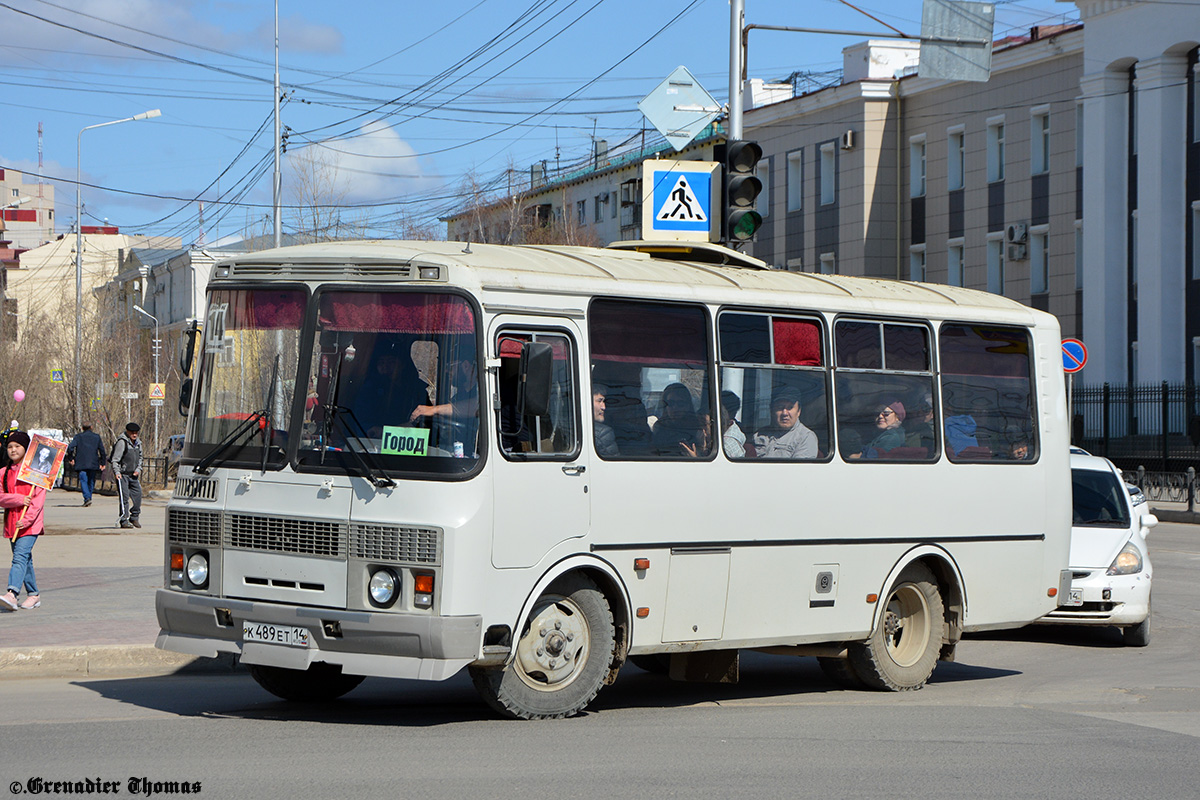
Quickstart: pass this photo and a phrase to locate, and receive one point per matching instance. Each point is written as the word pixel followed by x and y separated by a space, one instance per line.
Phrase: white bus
pixel 538 463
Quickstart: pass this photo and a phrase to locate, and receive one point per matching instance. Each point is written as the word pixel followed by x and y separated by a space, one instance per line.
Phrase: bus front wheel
pixel 903 648
pixel 562 657
pixel 319 683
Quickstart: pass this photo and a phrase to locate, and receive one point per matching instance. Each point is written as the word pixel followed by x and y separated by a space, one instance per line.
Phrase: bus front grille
pixel 196 488
pixel 285 535
pixel 201 528
pixel 394 543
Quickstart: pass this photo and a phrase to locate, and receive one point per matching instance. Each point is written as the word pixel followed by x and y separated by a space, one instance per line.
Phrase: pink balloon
pixel 18 395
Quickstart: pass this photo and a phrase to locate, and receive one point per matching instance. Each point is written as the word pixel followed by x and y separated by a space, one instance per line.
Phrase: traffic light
pixel 741 190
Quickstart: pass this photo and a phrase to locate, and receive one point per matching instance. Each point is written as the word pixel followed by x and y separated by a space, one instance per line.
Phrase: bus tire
pixel 319 683
pixel 562 657
pixel 903 648
pixel 841 672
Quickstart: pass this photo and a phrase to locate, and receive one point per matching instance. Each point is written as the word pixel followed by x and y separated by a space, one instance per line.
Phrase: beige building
pixel 27 215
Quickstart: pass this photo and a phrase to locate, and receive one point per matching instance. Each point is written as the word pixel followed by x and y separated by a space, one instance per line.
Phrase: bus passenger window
pixel 988 393
pixel 885 398
pixel 651 362
pixel 774 387
pixel 553 434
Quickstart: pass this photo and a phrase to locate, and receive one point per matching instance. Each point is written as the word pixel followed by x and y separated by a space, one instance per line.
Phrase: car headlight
pixel 1136 495
pixel 197 569
pixel 382 588
pixel 1127 562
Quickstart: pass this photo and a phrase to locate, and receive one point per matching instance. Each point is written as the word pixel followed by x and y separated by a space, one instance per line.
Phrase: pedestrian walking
pixel 86 454
pixel 127 469
pixel 23 504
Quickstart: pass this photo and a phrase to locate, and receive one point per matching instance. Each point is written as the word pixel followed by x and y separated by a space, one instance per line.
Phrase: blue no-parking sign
pixel 1074 355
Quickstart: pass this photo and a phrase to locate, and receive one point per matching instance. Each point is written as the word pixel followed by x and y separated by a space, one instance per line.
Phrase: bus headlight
pixel 197 570
pixel 1127 562
pixel 383 588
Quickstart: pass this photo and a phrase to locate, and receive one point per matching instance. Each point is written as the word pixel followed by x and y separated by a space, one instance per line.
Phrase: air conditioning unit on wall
pixel 848 140
pixel 1017 233
pixel 1017 252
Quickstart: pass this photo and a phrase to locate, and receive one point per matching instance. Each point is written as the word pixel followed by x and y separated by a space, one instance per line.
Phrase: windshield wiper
pixel 261 418
pixel 366 460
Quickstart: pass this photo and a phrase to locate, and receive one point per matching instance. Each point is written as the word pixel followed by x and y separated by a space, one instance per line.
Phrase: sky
pixel 396 111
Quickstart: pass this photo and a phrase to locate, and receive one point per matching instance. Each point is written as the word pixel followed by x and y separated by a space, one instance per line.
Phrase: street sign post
pixel 680 200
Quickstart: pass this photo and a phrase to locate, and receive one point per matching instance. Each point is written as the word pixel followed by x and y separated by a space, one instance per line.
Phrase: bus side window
pixel 553 434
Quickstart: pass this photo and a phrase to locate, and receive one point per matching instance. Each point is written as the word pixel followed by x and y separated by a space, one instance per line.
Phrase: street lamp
pixel 79 259
pixel 157 347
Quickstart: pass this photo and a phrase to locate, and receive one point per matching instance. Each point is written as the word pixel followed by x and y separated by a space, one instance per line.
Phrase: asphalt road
pixel 1041 712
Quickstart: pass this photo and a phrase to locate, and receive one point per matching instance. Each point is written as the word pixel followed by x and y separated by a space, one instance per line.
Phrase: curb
pixel 1168 515
pixel 105 660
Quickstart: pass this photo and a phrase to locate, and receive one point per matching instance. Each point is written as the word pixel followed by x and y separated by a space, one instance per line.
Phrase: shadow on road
pixel 378 701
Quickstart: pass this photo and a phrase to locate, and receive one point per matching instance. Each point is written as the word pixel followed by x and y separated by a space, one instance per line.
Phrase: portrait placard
pixel 43 459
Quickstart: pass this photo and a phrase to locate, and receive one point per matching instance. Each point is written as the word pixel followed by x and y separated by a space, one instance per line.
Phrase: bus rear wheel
pixel 319 683
pixel 903 648
pixel 562 659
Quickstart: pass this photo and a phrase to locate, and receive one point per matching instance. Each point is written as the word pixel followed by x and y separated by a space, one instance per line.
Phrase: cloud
pixel 376 165
pixel 297 35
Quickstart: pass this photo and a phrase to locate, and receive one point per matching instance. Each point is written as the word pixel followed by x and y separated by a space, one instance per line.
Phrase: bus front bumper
pixel 422 647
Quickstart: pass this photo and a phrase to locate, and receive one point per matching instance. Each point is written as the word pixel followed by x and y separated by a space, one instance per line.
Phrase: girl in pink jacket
pixel 23 504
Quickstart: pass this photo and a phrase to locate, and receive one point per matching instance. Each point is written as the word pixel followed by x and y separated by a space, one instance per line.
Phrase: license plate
pixel 274 634
pixel 1074 597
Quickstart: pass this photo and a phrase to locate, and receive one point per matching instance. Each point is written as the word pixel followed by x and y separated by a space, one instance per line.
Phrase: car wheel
pixel 1138 635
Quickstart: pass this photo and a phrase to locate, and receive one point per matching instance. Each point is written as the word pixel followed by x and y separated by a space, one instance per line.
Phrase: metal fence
pixel 1155 426
pixel 154 476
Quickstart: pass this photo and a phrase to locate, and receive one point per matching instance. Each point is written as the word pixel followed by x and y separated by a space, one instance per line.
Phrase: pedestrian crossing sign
pixel 56 376
pixel 680 200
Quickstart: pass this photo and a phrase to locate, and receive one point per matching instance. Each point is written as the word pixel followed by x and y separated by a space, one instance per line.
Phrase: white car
pixel 1110 565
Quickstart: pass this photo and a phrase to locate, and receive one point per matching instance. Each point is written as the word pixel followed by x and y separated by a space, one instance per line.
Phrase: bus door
pixel 541 470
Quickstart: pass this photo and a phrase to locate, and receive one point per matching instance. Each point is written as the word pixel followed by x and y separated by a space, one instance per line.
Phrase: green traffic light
pixel 743 224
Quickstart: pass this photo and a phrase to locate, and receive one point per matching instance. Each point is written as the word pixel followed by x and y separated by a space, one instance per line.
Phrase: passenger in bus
pixel 602 433
pixel 919 427
pixel 1019 451
pixel 960 433
pixel 889 422
pixel 390 393
pixel 788 437
pixel 679 430
pixel 732 436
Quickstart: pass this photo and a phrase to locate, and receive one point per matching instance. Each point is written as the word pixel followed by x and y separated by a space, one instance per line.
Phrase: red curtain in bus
pixel 797 342
pixel 396 313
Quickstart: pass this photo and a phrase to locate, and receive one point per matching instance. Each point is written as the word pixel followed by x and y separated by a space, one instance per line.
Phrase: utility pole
pixel 278 179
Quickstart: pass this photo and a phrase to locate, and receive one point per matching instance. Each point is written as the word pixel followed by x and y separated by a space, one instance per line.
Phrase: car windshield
pixel 1098 499
pixel 247 375
pixel 393 377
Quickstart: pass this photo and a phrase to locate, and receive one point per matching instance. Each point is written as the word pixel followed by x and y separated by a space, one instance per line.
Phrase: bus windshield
pixel 393 375
pixel 248 374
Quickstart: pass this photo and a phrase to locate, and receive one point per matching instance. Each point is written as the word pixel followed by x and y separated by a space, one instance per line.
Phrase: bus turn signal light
pixel 423 584
pixel 643 612
pixel 641 563
pixel 176 560
pixel 1052 591
pixel 871 598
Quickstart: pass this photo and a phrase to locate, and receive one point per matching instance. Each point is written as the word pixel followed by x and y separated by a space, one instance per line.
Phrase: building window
pixel 1079 134
pixel 1078 255
pixel 795 181
pixel 597 209
pixel 916 263
pixel 995 263
pixel 1196 240
pixel 581 211
pixel 828 264
pixel 1039 141
pixel 954 263
pixel 828 173
pixel 612 203
pixel 995 149
pixel 1039 259
pixel 955 158
pixel 1133 246
pixel 916 166
pixel 762 203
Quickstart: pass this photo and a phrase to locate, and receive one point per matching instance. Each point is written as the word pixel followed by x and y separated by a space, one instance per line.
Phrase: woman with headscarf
pixel 23 504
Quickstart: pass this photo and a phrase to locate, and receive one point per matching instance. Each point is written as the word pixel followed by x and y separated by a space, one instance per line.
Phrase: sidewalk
pixel 97 582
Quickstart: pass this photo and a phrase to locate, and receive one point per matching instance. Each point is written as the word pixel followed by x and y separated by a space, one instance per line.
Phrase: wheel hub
pixel 551 652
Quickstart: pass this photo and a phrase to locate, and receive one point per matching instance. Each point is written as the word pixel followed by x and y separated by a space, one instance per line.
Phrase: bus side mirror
pixel 537 372
pixel 185 396
pixel 187 347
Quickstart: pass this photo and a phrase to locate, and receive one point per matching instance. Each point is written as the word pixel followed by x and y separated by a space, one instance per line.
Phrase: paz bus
pixel 537 463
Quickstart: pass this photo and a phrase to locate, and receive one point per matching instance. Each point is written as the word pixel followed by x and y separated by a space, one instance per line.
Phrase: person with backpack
pixel 86 454
pixel 127 469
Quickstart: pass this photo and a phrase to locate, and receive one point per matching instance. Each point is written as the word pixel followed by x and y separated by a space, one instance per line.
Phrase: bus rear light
pixel 641 564
pixel 872 598
pixel 643 612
